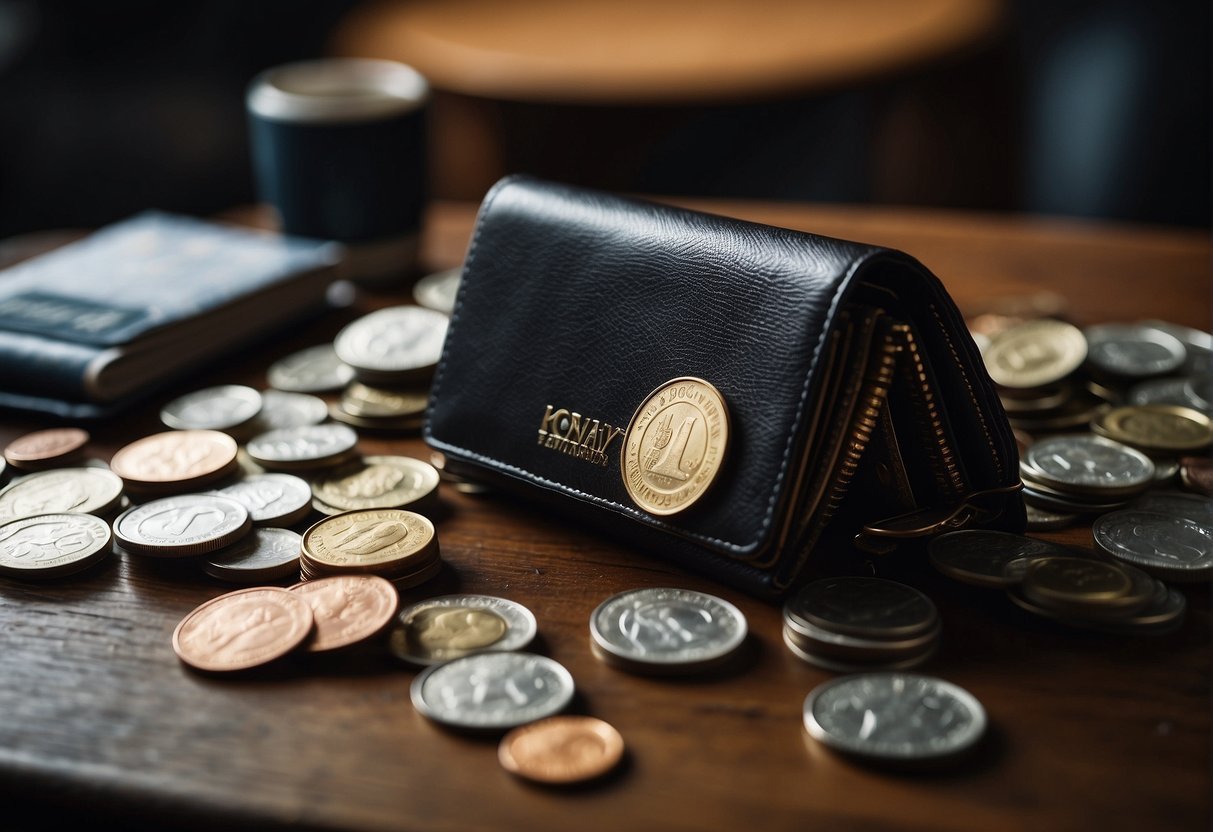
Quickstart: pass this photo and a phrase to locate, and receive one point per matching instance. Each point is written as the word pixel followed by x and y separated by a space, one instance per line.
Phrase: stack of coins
pixel 1034 363
pixel 393 347
pixel 851 624
pixel 377 482
pixel 229 407
pixel 1084 474
pixel 394 544
pixel 382 409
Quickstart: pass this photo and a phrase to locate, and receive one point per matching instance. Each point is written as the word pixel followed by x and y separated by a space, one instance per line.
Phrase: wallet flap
pixel 576 305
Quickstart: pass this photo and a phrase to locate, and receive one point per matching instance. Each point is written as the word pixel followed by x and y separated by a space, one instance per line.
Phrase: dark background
pixel 1094 108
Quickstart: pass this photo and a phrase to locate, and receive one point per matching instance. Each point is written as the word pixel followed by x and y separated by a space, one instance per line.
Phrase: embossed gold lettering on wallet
pixel 746 400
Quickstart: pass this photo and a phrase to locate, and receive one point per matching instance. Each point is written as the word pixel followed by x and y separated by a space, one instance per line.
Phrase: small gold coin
pixel 377 482
pixel 440 634
pixel 675 445
pixel 243 629
pixel 1035 353
pixel 367 402
pixel 348 609
pixel 46 448
pixel 561 749
pixel 1156 427
pixel 1055 581
pixel 371 539
pixel 175 460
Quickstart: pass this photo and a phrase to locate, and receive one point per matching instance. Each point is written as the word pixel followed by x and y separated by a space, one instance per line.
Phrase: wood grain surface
pixel 101 727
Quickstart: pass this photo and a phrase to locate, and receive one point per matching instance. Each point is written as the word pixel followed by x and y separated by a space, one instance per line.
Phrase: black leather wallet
pixel 731 395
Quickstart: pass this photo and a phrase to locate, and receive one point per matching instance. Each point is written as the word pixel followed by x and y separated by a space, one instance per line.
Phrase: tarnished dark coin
pixel 1133 350
pixel 1043 520
pixel 1196 473
pixel 980 557
pixel 864 607
pixel 1176 504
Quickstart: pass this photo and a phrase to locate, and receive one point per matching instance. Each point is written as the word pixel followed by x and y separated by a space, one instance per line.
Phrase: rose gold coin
pixel 243 629
pixel 175 460
pixel 44 448
pixel 348 609
pixel 1196 473
pixel 561 749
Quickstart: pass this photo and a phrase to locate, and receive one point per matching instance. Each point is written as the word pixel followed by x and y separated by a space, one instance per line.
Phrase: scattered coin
pixel 1043 520
pixel 288 410
pixel 49 448
pixel 181 526
pixel 303 448
pixel 62 491
pixel 175 461
pixel 260 556
pixel 1167 546
pixel 215 408
pixel 1177 391
pixel 272 499
pixel 378 482
pixel 47 546
pixel 666 630
pixel 349 609
pixel 395 544
pixel 1088 465
pixel 243 629
pixel 1156 427
pixel 1174 504
pixel 313 370
pixel 1084 586
pixel 980 557
pixel 396 345
pixel 1196 473
pixel 561 749
pixel 894 717
pixel 438 291
pixel 1164 614
pixel 1133 350
pixel 492 691
pixel 1035 353
pixel 865 607
pixel 451 626
pixel 372 403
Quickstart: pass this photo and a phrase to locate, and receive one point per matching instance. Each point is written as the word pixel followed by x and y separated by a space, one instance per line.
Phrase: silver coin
pixel 1188 506
pixel 1133 350
pixel 52 545
pixel 863 607
pixel 1178 391
pixel 1170 547
pixel 437 291
pixel 61 491
pixel 1088 462
pixel 492 691
pixel 181 526
pixel 667 627
pixel 288 410
pixel 894 717
pixel 821 641
pixel 836 665
pixel 1052 501
pixel 520 628
pixel 313 370
pixel 261 555
pixel 394 341
pixel 1043 520
pixel 214 408
pixel 300 447
pixel 272 499
pixel 980 557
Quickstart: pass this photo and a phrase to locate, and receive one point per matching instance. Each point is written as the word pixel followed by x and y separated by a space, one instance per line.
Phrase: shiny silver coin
pixel 1133 350
pixel 1176 504
pixel 438 291
pixel 305 447
pixel 1199 345
pixel 1043 520
pixel 666 628
pixel 980 557
pixel 392 344
pixel 262 555
pixel 288 410
pixel 492 691
pixel 1088 464
pixel 48 546
pixel 1176 391
pixel 182 526
pixel 61 491
pixel 894 717
pixel 215 408
pixel 1167 546
pixel 837 665
pixel 312 370
pixel 272 499
pixel 863 607
pixel 448 627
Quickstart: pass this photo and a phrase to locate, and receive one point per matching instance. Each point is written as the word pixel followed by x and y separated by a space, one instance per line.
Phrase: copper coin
pixel 44 448
pixel 243 629
pixel 561 749
pixel 176 459
pixel 348 609
pixel 1196 473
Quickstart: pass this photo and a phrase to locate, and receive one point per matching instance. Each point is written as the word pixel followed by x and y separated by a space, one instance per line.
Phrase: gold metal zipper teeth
pixel 981 416
pixel 947 469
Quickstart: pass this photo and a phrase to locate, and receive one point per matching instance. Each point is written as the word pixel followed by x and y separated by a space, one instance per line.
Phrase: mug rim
pixel 396 89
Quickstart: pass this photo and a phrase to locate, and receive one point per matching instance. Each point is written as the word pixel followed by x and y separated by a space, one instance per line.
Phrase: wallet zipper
pixel 945 464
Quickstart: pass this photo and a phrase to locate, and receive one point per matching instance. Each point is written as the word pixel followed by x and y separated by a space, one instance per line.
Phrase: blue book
pixel 90 327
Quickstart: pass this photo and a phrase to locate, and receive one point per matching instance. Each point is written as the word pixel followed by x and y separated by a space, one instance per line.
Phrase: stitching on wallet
pixel 498 464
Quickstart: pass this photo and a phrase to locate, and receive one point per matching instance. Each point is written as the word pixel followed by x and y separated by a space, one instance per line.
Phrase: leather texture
pixel 587 301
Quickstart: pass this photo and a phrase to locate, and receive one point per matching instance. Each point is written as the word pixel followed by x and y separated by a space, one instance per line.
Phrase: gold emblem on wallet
pixel 578 436
pixel 674 445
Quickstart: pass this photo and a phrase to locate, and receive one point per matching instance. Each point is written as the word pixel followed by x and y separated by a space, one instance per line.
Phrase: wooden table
pixel 100 725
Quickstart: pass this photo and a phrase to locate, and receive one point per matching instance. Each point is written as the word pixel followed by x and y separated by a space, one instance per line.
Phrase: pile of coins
pixel 853 624
pixel 398 545
pixel 376 482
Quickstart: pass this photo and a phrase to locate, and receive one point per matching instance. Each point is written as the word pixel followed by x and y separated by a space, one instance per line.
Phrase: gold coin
pixel 45 448
pixel 1156 427
pixel 369 539
pixel 243 629
pixel 1035 353
pixel 444 633
pixel 561 749
pixel 175 460
pixel 377 482
pixel 674 445
pixel 367 402
pixel 1065 580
